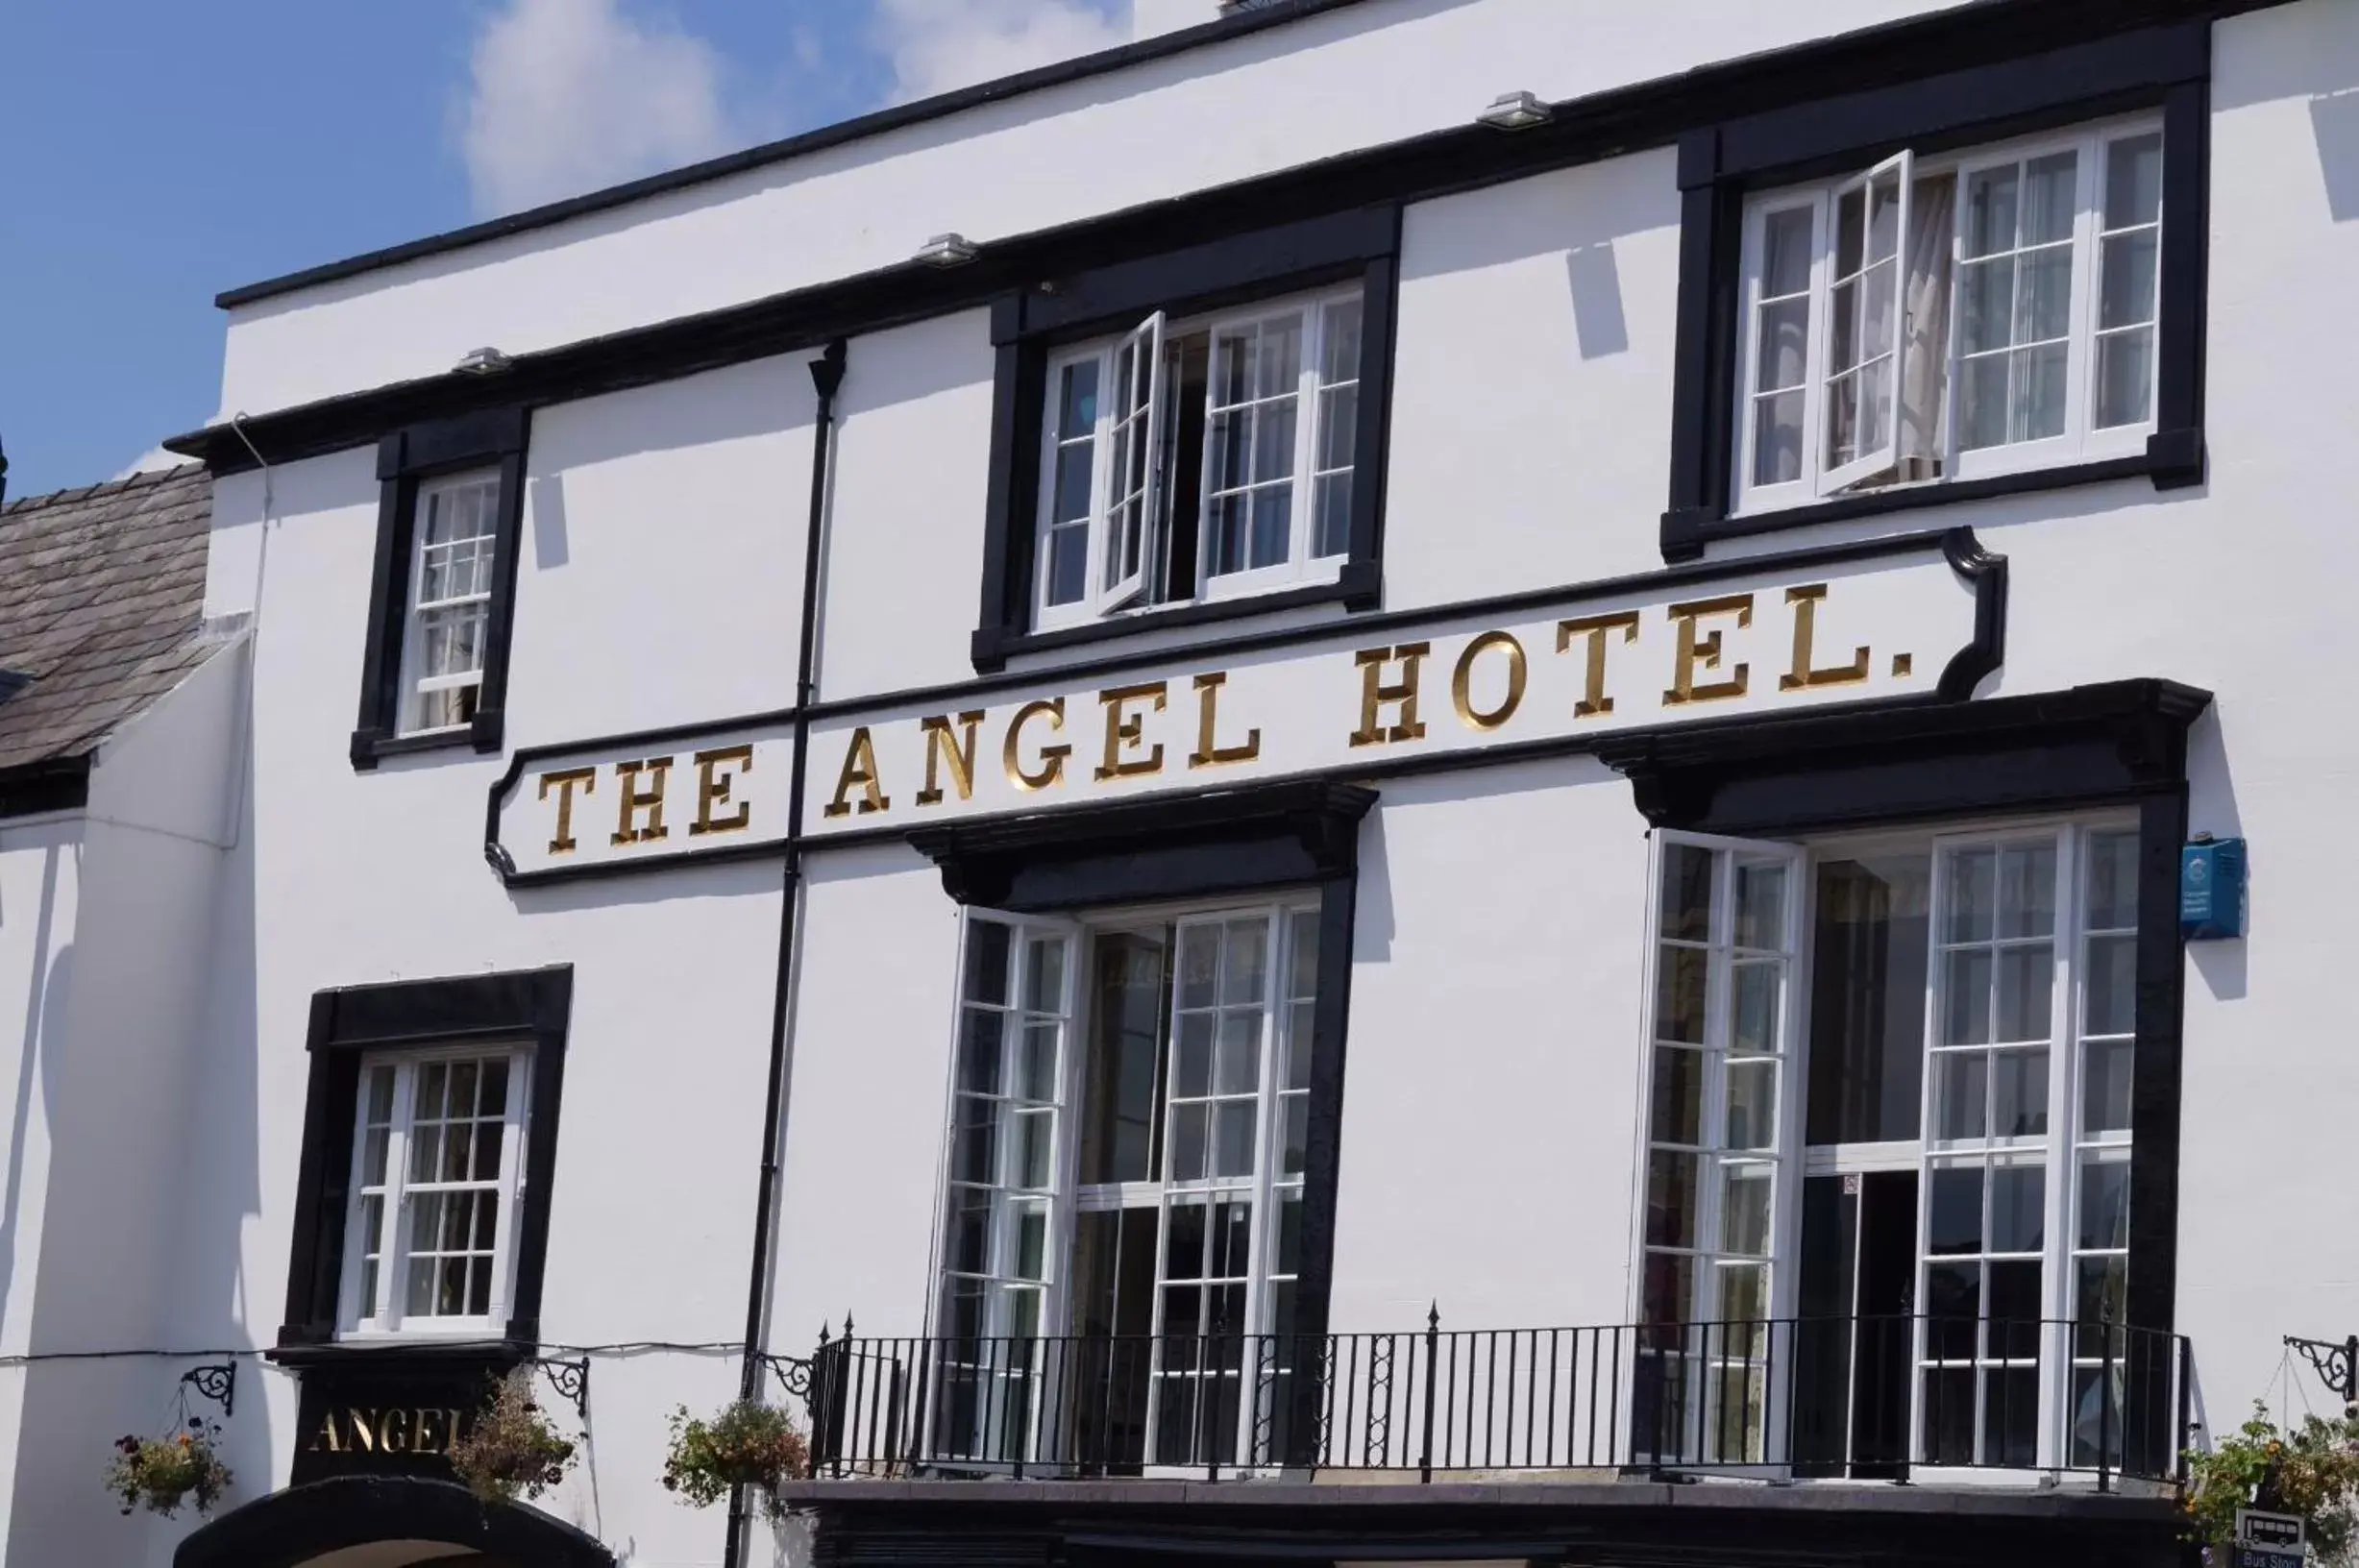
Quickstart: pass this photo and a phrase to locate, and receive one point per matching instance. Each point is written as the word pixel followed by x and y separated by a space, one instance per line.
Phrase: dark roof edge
pixel 859 127
pixel 50 784
pixel 85 492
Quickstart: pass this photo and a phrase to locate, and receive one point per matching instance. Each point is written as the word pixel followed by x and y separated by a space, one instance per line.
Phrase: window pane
pixel 2019 1093
pixel 2044 295
pixel 2027 891
pixel 2103 1289
pixel 1960 1092
pixel 1687 893
pixel 1678 1096
pixel 1760 906
pixel 1199 965
pixel 1240 1053
pixel 1273 441
pixel 1068 565
pixel 1754 1005
pixel 2113 882
pixel 1192 1076
pixel 2105 1087
pixel 1953 1300
pixel 1077 400
pixel 2018 1210
pixel 2127 298
pixel 1966 998
pixel 1785 345
pixel 2015 1300
pixel 1234 1145
pixel 2133 181
pixel 2104 1204
pixel 1953 1219
pixel 1188 1135
pixel 2125 377
pixel 1744 1213
pixel 1671 1200
pixel 1973 896
pixel 1990 212
pixel 1183 1253
pixel 1744 1295
pixel 1986 293
pixel 1339 415
pixel 2037 391
pixel 1669 1288
pixel 1785 252
pixel 2049 201
pixel 1982 417
pixel 1753 1104
pixel 1339 358
pixel 2026 989
pixel 2112 982
pixel 987 962
pixel 2011 1417
pixel 1678 995
pixel 1297 1113
pixel 1777 438
pixel 1867 1000
pixel 979 1071
pixel 1331 530
pixel 1247 967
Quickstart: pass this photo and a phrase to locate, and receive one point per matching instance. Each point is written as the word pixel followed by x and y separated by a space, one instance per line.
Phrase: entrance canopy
pixel 385 1522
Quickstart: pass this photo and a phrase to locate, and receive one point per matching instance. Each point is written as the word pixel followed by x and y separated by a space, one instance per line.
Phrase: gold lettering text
pixel 424 1436
pixel 327 1440
pixel 1704 652
pixel 941 745
pixel 1593 700
pixel 393 1430
pixel 364 1435
pixel 713 786
pixel 636 800
pixel 859 768
pixel 1052 757
pixel 1375 693
pixel 1125 730
pixel 1461 682
pixel 1806 600
pixel 1209 751
pixel 566 780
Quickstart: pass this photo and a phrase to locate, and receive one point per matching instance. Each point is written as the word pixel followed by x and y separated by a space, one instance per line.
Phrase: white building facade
pixel 1409 779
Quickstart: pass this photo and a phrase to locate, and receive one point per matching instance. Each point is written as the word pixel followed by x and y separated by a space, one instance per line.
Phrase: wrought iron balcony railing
pixel 1777 1399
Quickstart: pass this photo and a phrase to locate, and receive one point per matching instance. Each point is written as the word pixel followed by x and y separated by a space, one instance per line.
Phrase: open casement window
pixel 1204 459
pixel 1949 317
pixel 1002 1226
pixel 1124 1217
pixel 1721 1027
pixel 446 631
pixel 437 1163
pixel 1132 520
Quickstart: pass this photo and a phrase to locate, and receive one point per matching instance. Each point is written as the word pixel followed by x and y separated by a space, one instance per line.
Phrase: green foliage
pixel 2315 1470
pixel 512 1447
pixel 163 1473
pixel 747 1444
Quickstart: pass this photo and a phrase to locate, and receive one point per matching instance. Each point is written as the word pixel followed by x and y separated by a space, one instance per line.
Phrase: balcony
pixel 2045 1404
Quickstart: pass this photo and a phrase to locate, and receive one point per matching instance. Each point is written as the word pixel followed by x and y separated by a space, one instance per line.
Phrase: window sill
pixel 1356 588
pixel 482 734
pixel 2172 459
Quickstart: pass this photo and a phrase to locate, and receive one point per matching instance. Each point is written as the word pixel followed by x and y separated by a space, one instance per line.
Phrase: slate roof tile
pixel 102 589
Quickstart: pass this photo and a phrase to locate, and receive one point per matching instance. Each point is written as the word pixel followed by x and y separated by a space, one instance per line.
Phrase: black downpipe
pixel 826 374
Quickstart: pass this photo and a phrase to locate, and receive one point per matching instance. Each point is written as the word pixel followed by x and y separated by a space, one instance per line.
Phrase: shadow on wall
pixel 44 1001
pixel 2334 120
pixel 2212 808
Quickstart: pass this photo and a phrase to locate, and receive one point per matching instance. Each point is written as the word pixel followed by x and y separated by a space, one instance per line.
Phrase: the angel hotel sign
pixel 1916 618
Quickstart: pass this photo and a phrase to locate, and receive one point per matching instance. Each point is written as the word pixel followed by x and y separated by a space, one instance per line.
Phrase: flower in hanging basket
pixel 2311 1470
pixel 510 1447
pixel 163 1473
pixel 747 1444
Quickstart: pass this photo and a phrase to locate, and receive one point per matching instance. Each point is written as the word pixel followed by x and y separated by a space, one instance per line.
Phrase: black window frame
pixel 1027 326
pixel 1720 166
pixel 419 1015
pixel 494 437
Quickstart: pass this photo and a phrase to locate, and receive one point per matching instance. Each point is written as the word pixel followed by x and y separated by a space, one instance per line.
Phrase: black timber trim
pixel 1607 124
pixel 56 784
pixel 420 451
pixel 282 1528
pixel 1363 244
pixel 2165 66
pixel 532 1004
pixel 1207 843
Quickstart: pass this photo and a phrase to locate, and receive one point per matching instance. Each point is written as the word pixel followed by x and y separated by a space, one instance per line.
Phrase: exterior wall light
pixel 1516 112
pixel 951 250
pixel 482 362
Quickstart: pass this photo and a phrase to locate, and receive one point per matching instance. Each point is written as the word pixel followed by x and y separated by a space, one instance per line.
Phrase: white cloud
pixel 935 46
pixel 570 95
pixel 152 461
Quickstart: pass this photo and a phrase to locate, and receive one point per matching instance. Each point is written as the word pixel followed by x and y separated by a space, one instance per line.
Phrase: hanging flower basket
pixel 511 1449
pixel 2312 1471
pixel 747 1444
pixel 161 1473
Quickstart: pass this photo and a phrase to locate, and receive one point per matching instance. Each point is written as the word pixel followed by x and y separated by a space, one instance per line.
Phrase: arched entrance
pixel 386 1522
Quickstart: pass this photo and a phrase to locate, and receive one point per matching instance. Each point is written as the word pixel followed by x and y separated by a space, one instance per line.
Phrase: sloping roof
pixel 101 593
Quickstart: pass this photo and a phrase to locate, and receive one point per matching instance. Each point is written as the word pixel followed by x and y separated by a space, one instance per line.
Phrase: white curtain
pixel 1925 333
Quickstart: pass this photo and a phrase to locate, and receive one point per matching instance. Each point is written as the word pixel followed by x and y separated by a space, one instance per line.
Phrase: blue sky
pixel 155 152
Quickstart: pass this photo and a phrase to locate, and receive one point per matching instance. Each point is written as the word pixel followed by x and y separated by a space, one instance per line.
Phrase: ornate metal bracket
pixel 2337 1364
pixel 572 1382
pixel 217 1381
pixel 793 1372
